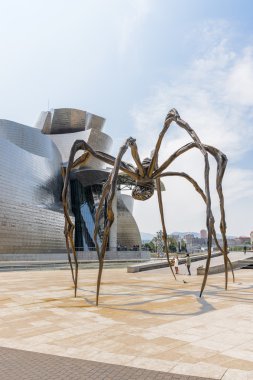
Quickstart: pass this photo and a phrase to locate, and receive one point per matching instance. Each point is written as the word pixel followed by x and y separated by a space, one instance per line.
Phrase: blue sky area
pixel 131 61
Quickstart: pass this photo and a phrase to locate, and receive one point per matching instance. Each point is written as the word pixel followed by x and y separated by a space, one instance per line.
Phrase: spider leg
pixel 173 115
pixel 136 157
pixel 81 160
pixel 110 189
pixel 209 218
pixel 66 237
pixel 203 196
pixel 106 187
pixel 172 158
pixel 159 195
pixel 221 166
pixel 226 258
pixel 189 178
pixel 105 191
pixel 169 119
pixel 68 251
pixel 124 166
pixel 69 225
pixel 221 160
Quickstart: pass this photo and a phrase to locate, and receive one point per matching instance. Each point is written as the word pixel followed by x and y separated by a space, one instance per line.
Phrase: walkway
pixel 24 365
pixel 145 321
pixel 234 256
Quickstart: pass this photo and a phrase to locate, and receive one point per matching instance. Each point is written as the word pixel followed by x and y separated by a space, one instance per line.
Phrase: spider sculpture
pixel 147 176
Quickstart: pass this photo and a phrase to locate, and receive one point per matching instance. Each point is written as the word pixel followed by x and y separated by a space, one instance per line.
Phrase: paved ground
pixel 144 320
pixel 23 365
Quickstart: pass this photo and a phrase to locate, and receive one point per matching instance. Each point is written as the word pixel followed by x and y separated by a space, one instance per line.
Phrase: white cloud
pixel 238 184
pixel 239 83
pixel 214 95
pixel 135 14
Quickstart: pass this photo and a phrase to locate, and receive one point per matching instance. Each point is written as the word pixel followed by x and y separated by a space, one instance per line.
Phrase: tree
pixel 183 246
pixel 172 244
pixel 158 242
pixel 150 246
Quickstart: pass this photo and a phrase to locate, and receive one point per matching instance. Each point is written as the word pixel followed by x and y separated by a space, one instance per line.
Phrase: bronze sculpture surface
pixel 146 176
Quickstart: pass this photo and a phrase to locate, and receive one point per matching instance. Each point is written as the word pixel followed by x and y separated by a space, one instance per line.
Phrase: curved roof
pixel 29 139
pixel 89 177
pixel 68 120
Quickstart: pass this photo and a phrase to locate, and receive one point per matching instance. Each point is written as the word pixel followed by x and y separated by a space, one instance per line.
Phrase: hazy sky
pixel 131 61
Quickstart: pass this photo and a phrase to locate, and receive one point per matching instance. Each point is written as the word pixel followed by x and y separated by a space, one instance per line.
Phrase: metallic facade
pixel 31 215
pixel 128 235
pixel 66 125
pixel 68 120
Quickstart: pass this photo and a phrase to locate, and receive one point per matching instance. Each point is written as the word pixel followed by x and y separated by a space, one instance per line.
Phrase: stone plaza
pixel 147 325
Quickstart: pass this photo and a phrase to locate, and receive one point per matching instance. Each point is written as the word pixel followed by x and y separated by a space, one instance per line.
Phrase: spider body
pixel 146 176
pixel 143 190
pixel 145 186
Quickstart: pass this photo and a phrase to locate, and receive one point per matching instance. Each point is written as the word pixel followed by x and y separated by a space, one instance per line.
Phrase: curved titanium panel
pixel 62 120
pixel 31 217
pixel 65 141
pixel 89 177
pixel 29 139
pixel 128 234
pixel 98 140
pixel 68 120
pixel 94 122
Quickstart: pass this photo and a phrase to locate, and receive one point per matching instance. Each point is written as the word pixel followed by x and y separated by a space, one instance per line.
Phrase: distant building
pixel 231 241
pixel 203 234
pixel 176 237
pixel 244 239
pixel 189 238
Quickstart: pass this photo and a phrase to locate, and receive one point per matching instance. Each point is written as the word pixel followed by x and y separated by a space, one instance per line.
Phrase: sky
pixel 131 61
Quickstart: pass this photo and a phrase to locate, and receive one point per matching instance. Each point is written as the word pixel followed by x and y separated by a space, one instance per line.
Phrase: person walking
pixel 176 264
pixel 245 249
pixel 188 264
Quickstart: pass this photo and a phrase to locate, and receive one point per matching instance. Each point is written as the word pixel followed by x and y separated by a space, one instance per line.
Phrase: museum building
pixel 31 161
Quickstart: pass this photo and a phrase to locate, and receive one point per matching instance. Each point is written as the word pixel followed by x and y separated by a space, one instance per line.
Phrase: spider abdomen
pixel 143 191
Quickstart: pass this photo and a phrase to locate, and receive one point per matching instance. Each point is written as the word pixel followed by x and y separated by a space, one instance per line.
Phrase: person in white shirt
pixel 188 263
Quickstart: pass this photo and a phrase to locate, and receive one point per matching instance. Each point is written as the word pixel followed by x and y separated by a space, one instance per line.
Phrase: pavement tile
pixel 144 322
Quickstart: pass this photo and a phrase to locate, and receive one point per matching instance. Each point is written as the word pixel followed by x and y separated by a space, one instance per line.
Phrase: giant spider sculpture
pixel 147 176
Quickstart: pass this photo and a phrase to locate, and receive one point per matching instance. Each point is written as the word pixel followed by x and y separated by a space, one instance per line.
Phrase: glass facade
pixel 84 204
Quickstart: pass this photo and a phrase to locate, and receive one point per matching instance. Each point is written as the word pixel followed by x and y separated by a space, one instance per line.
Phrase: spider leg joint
pixel 131 141
pixel 173 113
